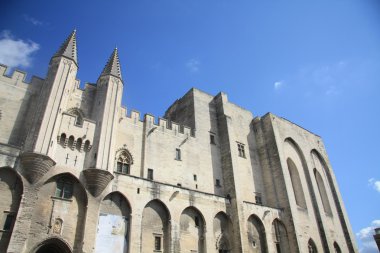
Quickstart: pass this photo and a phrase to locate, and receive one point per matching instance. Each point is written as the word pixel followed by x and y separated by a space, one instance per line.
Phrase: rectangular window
pixel 195 177
pixel 8 222
pixel 157 243
pixel 150 174
pixel 212 139
pixel 217 183
pixel 178 154
pixel 258 198
pixel 241 150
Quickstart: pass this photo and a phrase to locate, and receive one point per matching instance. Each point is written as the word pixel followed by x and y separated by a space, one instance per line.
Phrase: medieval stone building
pixel 80 174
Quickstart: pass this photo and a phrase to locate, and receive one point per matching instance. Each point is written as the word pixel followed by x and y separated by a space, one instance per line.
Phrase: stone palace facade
pixel 80 174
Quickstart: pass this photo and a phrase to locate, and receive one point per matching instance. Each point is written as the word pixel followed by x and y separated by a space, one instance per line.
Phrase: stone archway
pixel 53 245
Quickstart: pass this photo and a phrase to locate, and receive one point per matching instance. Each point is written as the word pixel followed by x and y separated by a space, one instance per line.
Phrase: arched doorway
pixel 53 245
pixel 192 229
pixel 222 228
pixel 155 228
pixel 11 190
pixel 256 235
pixel 113 224
pixel 280 237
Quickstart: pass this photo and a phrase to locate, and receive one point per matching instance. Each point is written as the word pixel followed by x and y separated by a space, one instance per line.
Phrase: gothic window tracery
pixel 123 162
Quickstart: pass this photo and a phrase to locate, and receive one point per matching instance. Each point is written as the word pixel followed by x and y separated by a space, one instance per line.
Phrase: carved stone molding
pixel 34 166
pixel 97 180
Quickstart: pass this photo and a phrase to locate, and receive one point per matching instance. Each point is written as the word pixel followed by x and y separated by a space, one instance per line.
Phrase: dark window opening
pixel 195 177
pixel 178 154
pixel 217 183
pixel 180 185
pixel 212 139
pixel 157 243
pixel 8 222
pixel 241 150
pixel 64 189
pixel 196 221
pixel 258 200
pixel 123 163
pixel 150 174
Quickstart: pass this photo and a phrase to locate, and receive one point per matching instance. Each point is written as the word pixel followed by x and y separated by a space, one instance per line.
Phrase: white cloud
pixel 32 20
pixel 374 183
pixel 278 85
pixel 365 236
pixel 16 52
pixel 193 65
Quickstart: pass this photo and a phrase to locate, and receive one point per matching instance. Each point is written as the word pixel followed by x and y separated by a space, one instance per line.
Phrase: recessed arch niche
pixel 113 224
pixel 222 228
pixel 155 227
pixel 192 231
pixel 256 235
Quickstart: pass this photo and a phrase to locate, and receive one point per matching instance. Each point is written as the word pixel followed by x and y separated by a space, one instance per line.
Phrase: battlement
pixel 159 123
pixel 17 77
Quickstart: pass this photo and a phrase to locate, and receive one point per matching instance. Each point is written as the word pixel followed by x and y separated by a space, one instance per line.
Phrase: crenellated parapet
pixel 18 78
pixel 157 123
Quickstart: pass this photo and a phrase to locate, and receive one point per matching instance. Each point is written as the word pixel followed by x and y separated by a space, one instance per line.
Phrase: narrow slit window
pixel 241 150
pixel 150 174
pixel 157 243
pixel 178 154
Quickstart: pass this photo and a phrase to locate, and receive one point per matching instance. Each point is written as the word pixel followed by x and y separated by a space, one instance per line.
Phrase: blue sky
pixel 316 63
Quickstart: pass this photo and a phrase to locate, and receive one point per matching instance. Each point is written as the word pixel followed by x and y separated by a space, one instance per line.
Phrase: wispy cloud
pixel 32 20
pixel 374 183
pixel 365 236
pixel 278 85
pixel 193 65
pixel 328 79
pixel 16 52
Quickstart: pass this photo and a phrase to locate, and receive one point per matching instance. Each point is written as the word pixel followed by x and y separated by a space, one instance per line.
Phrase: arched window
pixel 123 162
pixel 322 192
pixel 311 246
pixel 280 237
pixel 71 142
pixel 79 115
pixel 64 188
pixel 79 144
pixel 87 146
pixel 296 183
pixel 337 248
pixel 62 140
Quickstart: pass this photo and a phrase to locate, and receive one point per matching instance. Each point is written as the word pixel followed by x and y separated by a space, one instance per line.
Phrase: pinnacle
pixel 69 47
pixel 113 65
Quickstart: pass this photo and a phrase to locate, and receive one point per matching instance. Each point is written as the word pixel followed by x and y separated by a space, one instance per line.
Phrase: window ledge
pixel 63 199
pixel 120 173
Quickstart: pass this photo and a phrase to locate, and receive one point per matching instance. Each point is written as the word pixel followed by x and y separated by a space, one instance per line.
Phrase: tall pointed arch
pixel 113 224
pixel 296 183
pixel 192 230
pixel 256 235
pixel 155 227
pixel 280 236
pixel 322 192
pixel 317 157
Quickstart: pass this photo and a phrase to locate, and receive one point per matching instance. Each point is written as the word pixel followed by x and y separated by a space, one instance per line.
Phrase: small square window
pixel 212 139
pixel 180 185
pixel 241 150
pixel 157 243
pixel 217 183
pixel 150 174
pixel 178 154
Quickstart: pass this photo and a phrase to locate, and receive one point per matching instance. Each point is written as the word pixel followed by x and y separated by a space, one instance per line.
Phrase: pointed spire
pixel 69 47
pixel 113 66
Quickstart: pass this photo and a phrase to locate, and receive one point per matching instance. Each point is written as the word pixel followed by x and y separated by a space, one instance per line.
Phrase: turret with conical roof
pixel 53 100
pixel 113 66
pixel 68 48
pixel 106 109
